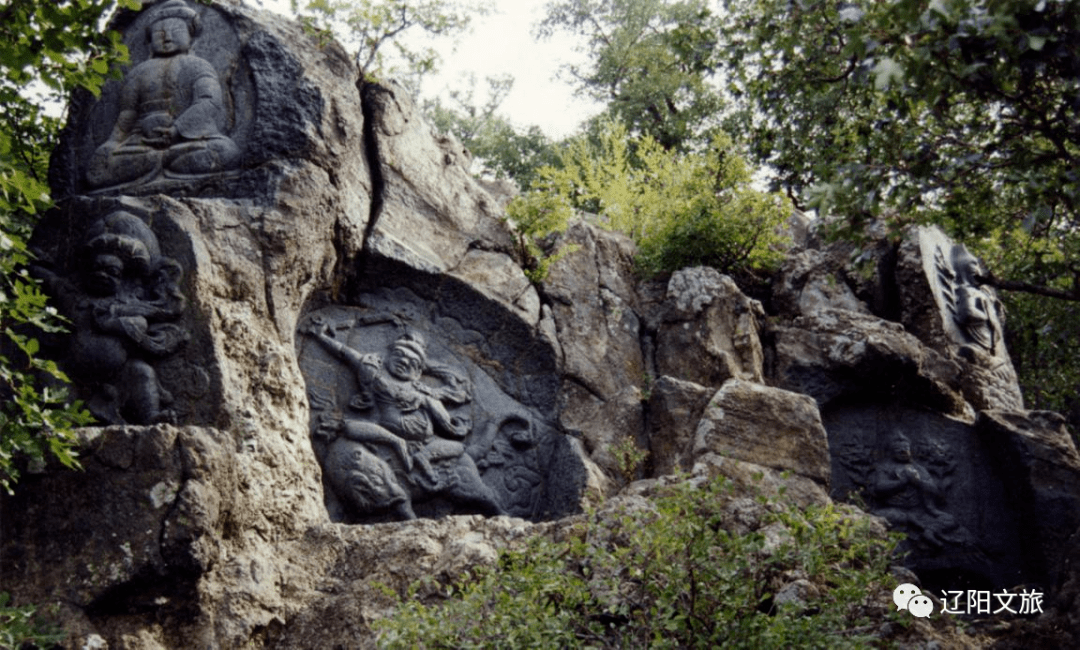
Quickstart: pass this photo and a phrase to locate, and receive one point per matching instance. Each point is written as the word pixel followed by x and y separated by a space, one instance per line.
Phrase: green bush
pixel 20 627
pixel 535 216
pixel 669 575
pixel 681 209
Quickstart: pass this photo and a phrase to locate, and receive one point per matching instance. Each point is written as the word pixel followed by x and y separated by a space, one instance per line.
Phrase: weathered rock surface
pixel 711 331
pixel 675 408
pixel 592 302
pixel 338 313
pixel 766 426
pixel 946 303
pixel 1037 456
pixel 831 354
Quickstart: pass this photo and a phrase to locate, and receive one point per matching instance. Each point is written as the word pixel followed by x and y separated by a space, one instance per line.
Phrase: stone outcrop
pixel 766 426
pixel 301 323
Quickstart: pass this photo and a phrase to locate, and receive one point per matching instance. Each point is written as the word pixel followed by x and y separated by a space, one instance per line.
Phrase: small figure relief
pixel 857 460
pixel 974 310
pixel 170 109
pixel 123 307
pixel 403 436
pixel 911 497
pixel 513 466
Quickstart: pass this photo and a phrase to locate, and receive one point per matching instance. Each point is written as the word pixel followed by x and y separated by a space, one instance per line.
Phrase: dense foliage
pixel 20 627
pixel 681 208
pixel 666 575
pixel 46 51
pixel 964 113
pixel 650 61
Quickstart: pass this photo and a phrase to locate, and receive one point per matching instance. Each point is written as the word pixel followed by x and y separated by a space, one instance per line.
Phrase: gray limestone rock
pixel 810 281
pixel 711 331
pixel 138 527
pixel 767 426
pixel 675 408
pixel 833 354
pixel 1037 460
pixel 430 212
pixel 593 305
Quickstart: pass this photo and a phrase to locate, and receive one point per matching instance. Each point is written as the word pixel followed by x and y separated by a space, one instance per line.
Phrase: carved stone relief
pixel 974 312
pixel 170 111
pixel 405 426
pixel 124 301
pixel 950 306
pixel 178 119
pixel 905 465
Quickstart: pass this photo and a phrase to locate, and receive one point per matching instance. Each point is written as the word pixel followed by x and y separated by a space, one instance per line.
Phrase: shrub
pixel 681 209
pixel 669 575
pixel 534 217
pixel 20 627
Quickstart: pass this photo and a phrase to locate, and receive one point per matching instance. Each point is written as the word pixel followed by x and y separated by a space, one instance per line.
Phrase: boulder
pixel 1037 458
pixel 766 426
pixel 710 331
pixel 674 409
pixel 593 302
pixel 834 354
pixel 812 280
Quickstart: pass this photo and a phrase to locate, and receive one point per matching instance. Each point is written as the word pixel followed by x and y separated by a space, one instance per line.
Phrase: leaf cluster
pixel 370 27
pixel 20 627
pixel 672 574
pixel 681 209
pixel 46 51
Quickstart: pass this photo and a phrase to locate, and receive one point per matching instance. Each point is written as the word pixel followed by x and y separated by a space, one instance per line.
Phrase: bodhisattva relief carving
pixel 123 299
pixel 911 497
pixel 402 435
pixel 974 310
pixel 909 488
pixel 171 106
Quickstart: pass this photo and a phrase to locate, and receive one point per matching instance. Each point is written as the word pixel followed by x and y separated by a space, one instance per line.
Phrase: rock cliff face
pixel 302 324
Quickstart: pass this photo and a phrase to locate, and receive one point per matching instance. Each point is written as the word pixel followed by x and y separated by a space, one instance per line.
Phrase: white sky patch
pixel 502 43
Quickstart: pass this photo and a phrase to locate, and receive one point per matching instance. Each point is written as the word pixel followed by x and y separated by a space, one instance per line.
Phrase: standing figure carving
pixel 170 108
pixel 122 304
pixel 399 442
pixel 975 311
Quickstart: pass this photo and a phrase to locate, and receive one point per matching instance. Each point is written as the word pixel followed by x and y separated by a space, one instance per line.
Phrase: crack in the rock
pixel 366 91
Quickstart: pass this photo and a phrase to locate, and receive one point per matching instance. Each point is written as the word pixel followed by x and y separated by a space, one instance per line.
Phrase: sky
pixel 502 43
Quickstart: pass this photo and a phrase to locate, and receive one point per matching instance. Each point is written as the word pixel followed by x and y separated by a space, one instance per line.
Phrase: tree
pixel 964 113
pixel 369 26
pixel 503 150
pixel 55 48
pixel 651 61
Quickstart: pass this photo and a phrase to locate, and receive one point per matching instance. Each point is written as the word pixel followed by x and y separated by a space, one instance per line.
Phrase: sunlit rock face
pixel 319 368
